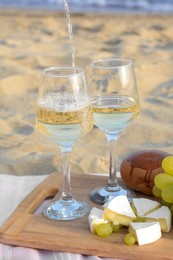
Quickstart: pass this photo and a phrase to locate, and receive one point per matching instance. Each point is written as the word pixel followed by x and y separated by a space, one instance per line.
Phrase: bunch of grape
pixel 163 183
pixel 106 229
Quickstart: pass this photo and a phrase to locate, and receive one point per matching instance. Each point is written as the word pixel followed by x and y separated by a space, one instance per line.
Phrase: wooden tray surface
pixel 24 228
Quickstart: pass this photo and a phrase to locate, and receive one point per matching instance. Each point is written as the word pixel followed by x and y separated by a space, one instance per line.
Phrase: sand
pixel 31 41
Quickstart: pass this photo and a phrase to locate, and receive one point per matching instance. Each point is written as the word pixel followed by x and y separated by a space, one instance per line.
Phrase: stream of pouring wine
pixel 70 32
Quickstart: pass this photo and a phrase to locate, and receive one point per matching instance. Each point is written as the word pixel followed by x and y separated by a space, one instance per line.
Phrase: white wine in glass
pixel 64 114
pixel 115 102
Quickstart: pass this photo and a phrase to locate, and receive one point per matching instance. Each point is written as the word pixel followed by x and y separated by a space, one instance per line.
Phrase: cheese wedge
pixel 144 206
pixel 145 232
pixel 163 216
pixel 95 218
pixel 118 210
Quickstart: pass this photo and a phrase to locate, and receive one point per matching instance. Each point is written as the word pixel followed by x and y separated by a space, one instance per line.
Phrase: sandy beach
pixel 31 41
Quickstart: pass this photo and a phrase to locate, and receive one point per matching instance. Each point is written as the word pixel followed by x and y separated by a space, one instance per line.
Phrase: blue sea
pixel 124 6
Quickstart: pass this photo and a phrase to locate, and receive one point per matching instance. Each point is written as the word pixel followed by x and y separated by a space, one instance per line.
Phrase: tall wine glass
pixel 64 114
pixel 115 102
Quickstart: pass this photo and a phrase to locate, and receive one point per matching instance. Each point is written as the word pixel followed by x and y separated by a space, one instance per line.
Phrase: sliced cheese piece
pixel 145 232
pixel 119 210
pixel 95 218
pixel 163 216
pixel 144 206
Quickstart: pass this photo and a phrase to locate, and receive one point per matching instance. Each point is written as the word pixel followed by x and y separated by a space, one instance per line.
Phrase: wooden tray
pixel 24 228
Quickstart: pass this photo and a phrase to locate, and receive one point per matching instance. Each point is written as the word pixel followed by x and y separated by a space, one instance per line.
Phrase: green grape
pixel 104 230
pixel 129 239
pixel 116 227
pixel 167 194
pixel 167 165
pixel 171 209
pixel 156 192
pixel 163 180
pixel 165 203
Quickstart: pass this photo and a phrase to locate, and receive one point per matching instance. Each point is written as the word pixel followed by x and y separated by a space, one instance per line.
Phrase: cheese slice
pixel 118 210
pixel 145 232
pixel 144 206
pixel 95 218
pixel 163 216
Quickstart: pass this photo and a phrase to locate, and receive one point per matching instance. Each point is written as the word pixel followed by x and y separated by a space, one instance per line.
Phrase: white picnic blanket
pixel 13 190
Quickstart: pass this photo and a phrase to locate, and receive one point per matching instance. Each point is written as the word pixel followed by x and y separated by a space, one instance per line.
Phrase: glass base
pixel 104 194
pixel 66 210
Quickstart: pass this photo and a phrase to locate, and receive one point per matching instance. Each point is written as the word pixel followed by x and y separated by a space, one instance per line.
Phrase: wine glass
pixel 64 114
pixel 115 102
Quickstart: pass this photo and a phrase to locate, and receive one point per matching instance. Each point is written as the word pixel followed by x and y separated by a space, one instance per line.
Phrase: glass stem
pixel 112 180
pixel 66 192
